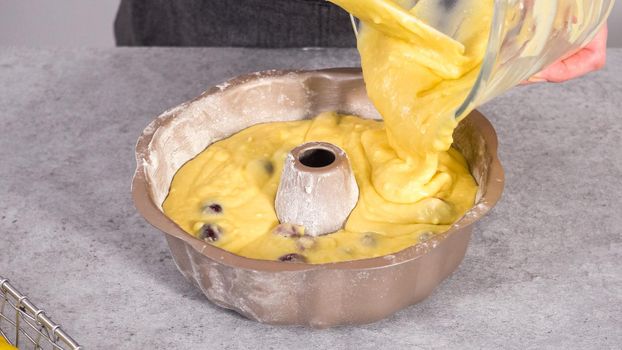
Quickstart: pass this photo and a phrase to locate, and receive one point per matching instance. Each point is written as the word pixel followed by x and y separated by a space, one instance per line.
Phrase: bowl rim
pixel 152 214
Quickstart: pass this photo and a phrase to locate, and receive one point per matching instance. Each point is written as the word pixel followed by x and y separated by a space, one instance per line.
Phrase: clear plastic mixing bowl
pixel 526 36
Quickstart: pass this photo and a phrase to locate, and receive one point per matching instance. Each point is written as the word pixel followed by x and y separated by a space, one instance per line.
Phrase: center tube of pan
pixel 317 189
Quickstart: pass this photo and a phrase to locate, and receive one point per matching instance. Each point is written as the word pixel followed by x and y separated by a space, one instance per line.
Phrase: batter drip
pixel 412 183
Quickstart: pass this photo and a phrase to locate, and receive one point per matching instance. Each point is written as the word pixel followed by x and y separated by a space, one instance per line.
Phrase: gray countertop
pixel 544 269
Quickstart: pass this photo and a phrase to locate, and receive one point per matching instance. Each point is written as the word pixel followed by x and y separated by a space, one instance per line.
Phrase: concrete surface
pixel 543 271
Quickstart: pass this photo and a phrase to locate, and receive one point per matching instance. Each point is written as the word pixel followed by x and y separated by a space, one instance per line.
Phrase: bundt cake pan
pixel 324 295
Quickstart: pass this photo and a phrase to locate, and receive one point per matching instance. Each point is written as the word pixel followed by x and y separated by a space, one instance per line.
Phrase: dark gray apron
pixel 251 23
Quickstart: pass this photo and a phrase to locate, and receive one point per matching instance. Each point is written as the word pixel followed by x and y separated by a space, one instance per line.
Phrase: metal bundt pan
pixel 354 292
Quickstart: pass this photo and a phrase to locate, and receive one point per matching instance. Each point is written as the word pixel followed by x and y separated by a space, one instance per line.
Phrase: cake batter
pixel 412 183
pixel 4 344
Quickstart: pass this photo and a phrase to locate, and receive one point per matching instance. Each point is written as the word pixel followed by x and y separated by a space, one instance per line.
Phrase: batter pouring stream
pixel 412 183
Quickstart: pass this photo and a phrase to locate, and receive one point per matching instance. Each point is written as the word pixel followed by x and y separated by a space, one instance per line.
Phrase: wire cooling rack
pixel 28 327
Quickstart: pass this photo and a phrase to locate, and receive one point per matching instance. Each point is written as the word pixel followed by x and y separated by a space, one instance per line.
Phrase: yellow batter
pixel 4 344
pixel 412 183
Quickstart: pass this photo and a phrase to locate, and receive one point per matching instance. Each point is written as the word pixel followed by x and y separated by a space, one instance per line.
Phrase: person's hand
pixel 590 58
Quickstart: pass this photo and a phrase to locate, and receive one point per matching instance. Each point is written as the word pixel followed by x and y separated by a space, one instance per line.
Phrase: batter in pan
pixel 412 183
